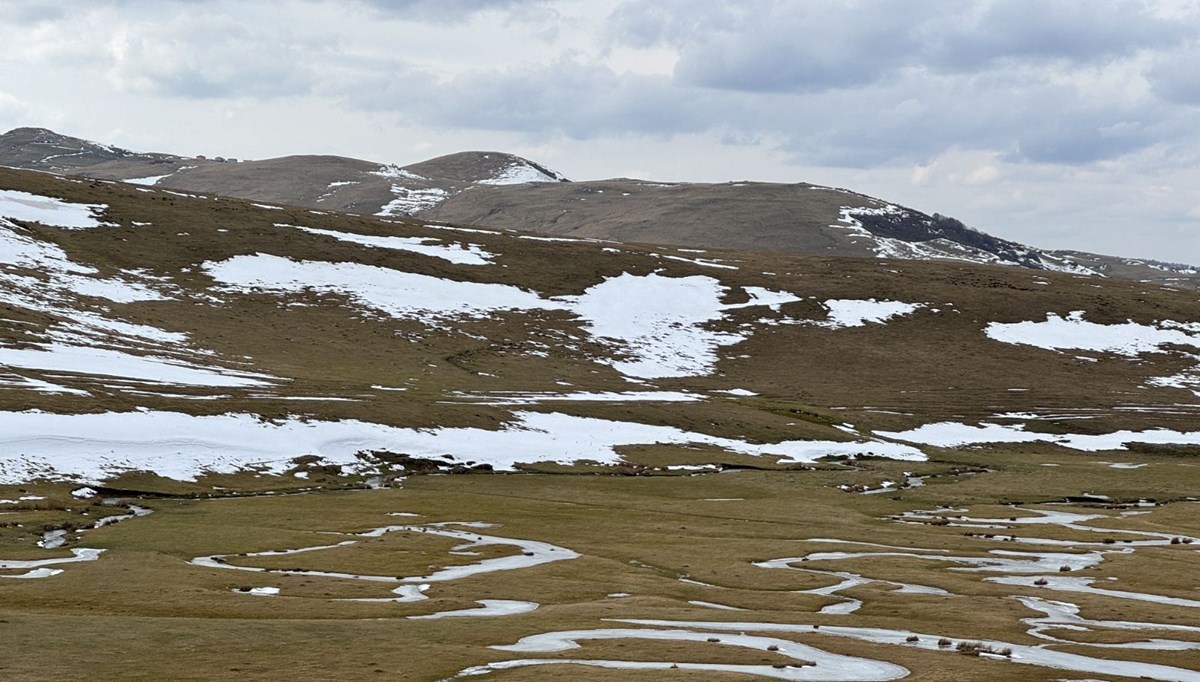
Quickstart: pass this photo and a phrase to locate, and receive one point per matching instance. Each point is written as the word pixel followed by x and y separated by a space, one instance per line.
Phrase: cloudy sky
pixel 1058 123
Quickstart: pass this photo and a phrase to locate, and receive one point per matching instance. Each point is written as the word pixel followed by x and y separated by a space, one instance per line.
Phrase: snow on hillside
pixel 661 323
pixel 519 173
pixel 1129 339
pixel 38 276
pixel 26 207
pixel 471 254
pixel 1075 333
pixel 394 292
pixel 410 201
pixel 917 237
pixel 395 172
pixel 951 434
pixel 658 325
pixel 856 313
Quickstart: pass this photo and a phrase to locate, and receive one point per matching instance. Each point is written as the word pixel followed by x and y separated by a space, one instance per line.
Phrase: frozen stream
pixel 54 539
pixel 809 663
pixel 412 588
pixel 1029 655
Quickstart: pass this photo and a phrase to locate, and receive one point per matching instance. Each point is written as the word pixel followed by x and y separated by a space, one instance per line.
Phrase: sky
pixel 1056 123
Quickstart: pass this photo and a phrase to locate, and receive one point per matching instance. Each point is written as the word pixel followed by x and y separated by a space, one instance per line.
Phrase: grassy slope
pixel 142 611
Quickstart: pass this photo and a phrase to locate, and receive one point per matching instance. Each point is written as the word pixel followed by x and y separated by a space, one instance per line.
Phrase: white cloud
pixel 1062 124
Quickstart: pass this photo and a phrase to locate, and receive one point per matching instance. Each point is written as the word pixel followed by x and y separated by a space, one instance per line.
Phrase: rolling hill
pixel 248 440
pixel 504 191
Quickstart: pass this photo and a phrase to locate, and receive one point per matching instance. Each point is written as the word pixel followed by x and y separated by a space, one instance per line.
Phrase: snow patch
pixel 470 254
pixel 845 312
pixel 94 447
pixel 26 207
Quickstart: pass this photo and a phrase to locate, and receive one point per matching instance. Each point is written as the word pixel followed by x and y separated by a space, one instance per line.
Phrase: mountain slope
pixel 508 192
pixel 292 438
pixel 119 296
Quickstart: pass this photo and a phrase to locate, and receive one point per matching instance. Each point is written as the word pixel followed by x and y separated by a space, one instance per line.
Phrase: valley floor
pixel 975 567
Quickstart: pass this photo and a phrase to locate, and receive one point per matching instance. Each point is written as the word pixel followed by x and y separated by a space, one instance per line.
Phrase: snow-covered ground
pixel 26 207
pixel 657 325
pixel 518 173
pixel 57 357
pixel 411 200
pixel 94 447
pixel 469 254
pixel 1075 333
pixel 1129 339
pixel 396 293
pixel 954 434
pixel 857 312
pixel 85 338
pixel 660 323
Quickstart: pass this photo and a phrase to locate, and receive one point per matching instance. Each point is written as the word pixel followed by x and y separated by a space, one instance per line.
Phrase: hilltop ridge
pixel 501 190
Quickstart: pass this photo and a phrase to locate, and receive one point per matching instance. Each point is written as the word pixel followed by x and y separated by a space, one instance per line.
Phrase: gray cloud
pixel 444 11
pixel 1173 76
pixel 989 108
pixel 910 119
pixel 807 45
pixel 206 55
pixel 33 12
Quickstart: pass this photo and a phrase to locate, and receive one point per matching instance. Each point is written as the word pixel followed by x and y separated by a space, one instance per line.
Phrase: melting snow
pixel 399 294
pixel 532 398
pixel 410 200
pixel 104 362
pixel 518 173
pixel 857 313
pixel 488 608
pixel 28 207
pixel 1074 333
pixel 1129 339
pixel 809 662
pixel 181 446
pixel 952 434
pixel 471 254
pixel 388 171
pixel 148 180
pixel 656 323
pixel 1021 654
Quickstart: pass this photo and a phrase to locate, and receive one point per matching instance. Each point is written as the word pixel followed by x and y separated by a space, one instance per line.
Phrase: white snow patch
pixel 518 173
pixel 857 313
pixel 809 663
pixel 148 180
pixel 104 362
pixel 410 200
pixel 27 207
pixel 952 434
pixel 399 294
pixel 388 171
pixel 657 324
pixel 1021 654
pixel 489 608
pixel 94 447
pixel 469 254
pixel 533 398
pixel 1075 333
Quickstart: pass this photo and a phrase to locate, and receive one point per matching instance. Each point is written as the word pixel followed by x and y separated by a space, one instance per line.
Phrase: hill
pixel 419 325
pixel 508 192
pixel 240 440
